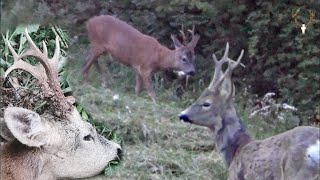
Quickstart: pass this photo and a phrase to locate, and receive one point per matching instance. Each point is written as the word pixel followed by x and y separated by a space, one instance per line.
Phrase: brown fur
pixel 28 167
pixel 143 53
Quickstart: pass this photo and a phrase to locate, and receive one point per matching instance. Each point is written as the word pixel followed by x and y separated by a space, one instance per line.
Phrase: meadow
pixel 157 145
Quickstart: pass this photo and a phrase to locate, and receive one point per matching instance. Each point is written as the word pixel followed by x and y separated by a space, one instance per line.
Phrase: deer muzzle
pixel 184 118
pixel 191 73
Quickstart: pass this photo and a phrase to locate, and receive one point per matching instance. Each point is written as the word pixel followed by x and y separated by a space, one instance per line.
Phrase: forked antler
pixel 311 18
pixel 194 38
pixel 46 73
pixel 219 75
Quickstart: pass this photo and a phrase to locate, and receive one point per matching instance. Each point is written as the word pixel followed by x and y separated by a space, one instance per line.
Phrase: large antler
pixel 46 72
pixel 225 77
pixel 194 38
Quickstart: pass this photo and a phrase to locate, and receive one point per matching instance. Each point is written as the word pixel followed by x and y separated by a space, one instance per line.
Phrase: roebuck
pixel 47 146
pixel 292 155
pixel 143 53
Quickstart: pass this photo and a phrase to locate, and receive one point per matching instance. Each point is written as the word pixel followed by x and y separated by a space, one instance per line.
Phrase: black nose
pixel 119 155
pixel 185 118
pixel 191 73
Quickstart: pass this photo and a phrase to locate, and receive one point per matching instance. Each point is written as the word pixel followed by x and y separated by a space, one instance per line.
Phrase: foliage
pixel 278 51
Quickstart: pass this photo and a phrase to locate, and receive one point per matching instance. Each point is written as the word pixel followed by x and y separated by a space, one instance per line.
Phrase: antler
pixel 311 17
pixel 194 38
pixel 219 76
pixel 218 65
pixel 46 72
pixel 183 35
pixel 294 15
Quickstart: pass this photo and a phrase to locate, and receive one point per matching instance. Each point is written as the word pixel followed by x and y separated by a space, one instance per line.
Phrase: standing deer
pixel 143 53
pixel 46 146
pixel 292 155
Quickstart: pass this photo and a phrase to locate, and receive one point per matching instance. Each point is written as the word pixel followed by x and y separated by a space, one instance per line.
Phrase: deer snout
pixel 185 118
pixel 191 73
pixel 119 154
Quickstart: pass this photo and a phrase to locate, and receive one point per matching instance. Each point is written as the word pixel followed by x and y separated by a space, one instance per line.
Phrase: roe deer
pixel 47 146
pixel 292 155
pixel 143 53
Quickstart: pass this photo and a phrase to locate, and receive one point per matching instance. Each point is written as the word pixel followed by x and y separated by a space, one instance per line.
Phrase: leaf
pixel 84 115
pixel 31 28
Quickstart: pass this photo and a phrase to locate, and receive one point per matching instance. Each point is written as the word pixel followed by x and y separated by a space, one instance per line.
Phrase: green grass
pixel 156 144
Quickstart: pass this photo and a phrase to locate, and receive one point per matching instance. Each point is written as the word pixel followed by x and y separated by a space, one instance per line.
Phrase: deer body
pixel 143 53
pixel 284 156
pixel 293 155
pixel 47 146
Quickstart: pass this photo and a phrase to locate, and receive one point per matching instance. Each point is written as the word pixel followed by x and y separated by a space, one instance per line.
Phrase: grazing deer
pixel 292 155
pixel 47 146
pixel 143 53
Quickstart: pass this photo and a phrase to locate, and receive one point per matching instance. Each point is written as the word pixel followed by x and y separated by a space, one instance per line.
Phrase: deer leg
pixel 91 58
pixel 101 71
pixel 146 79
pixel 138 83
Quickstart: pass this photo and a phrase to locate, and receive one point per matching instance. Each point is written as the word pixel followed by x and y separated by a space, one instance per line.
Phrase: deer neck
pixel 17 154
pixel 166 58
pixel 231 136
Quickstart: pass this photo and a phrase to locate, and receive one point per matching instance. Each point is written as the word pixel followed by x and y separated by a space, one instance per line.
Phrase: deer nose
pixel 191 73
pixel 185 118
pixel 119 155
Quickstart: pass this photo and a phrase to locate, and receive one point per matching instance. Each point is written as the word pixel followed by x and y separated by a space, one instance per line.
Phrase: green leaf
pixel 31 28
pixel 84 115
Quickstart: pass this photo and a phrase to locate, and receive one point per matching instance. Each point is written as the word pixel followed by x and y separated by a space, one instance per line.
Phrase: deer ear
pixel 26 126
pixel 176 42
pixel 5 133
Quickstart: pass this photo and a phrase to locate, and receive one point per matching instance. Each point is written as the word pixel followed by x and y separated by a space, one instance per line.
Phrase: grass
pixel 156 144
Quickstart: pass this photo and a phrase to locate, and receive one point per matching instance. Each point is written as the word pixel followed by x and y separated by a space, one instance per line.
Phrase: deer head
pixel 184 52
pixel 50 146
pixel 216 102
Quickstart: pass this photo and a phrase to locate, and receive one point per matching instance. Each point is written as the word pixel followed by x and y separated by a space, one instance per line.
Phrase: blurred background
pixel 277 89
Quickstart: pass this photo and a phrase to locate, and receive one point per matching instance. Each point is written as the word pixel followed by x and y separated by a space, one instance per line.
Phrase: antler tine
pixel 45 49
pixel 192 31
pixel 233 64
pixel 194 38
pixel 218 65
pixel 54 60
pixel 183 35
pixel 13 52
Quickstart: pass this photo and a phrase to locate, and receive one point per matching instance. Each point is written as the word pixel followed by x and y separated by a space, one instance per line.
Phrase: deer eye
pixel 88 138
pixel 206 104
pixel 184 59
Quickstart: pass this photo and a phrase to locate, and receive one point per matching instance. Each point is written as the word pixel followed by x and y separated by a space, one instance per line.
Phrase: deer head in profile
pixel 46 146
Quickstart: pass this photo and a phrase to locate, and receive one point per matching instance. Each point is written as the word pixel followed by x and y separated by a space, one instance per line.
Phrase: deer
pixel 294 154
pixel 50 146
pixel 143 53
